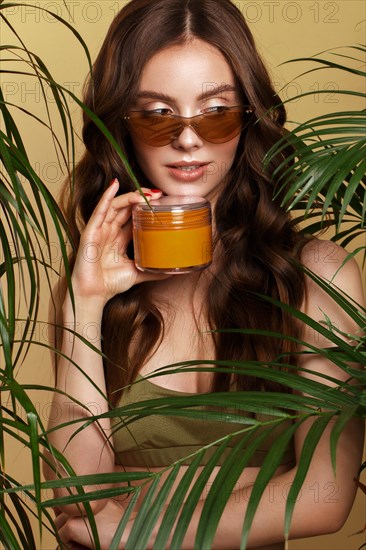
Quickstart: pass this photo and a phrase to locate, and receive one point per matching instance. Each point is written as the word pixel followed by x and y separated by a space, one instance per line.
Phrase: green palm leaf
pixel 123 523
pixel 345 415
pixel 194 496
pixel 148 517
pixel 329 154
pixel 176 503
pixel 328 168
pixel 312 438
pixel 268 468
pixel 223 486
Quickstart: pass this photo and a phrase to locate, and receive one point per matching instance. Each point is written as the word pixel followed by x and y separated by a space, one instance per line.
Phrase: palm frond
pixel 327 168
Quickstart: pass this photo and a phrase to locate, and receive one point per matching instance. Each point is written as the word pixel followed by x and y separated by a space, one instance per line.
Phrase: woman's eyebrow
pixel 148 94
pixel 211 90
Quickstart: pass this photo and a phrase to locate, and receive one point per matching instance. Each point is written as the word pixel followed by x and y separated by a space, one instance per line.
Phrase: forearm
pixel 80 373
pixel 313 515
pixel 322 506
pixel 80 376
pixel 268 523
pixel 267 532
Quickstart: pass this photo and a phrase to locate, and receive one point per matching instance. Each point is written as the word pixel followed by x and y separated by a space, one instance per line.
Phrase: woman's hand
pixel 75 532
pixel 102 268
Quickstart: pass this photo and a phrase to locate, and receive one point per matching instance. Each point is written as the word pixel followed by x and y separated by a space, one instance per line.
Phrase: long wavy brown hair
pixel 257 245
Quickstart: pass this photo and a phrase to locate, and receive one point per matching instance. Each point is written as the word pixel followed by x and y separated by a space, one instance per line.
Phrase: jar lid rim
pixel 181 202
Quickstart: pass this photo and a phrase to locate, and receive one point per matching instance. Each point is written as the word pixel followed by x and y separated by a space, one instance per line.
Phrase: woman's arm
pixel 325 500
pixel 101 270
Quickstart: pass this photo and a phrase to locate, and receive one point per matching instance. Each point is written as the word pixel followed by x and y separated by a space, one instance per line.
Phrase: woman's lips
pixel 187 172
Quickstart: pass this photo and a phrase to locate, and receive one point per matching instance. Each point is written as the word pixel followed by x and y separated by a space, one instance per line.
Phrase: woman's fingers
pixel 129 199
pixel 121 206
pixel 101 210
pixel 117 225
pixel 112 210
pixel 102 267
pixel 69 528
pixel 60 520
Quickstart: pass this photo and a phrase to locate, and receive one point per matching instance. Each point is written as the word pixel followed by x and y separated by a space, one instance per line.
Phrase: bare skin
pixel 94 283
pixel 72 528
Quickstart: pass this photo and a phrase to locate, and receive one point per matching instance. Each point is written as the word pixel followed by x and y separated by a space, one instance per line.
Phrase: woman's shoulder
pixel 327 262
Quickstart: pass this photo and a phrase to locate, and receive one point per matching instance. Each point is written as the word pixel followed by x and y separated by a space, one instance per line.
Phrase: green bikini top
pixel 156 441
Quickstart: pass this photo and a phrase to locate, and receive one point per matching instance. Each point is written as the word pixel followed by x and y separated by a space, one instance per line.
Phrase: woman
pixel 187 58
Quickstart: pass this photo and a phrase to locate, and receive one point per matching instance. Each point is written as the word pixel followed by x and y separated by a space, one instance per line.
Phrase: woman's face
pixel 187 80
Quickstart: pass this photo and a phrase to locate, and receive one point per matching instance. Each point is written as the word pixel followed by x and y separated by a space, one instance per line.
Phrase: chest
pixel 187 337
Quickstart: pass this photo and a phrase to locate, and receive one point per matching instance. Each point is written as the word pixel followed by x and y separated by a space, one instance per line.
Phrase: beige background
pixel 283 29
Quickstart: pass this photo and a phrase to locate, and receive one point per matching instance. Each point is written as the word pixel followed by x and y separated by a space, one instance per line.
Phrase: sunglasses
pixel 216 127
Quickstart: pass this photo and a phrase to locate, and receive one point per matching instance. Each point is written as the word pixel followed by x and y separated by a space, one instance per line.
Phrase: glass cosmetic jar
pixel 172 234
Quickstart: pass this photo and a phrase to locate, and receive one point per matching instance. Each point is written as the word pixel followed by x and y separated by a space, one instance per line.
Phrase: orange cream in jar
pixel 172 234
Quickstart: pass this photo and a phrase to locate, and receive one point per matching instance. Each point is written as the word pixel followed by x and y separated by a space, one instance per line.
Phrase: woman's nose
pixel 187 139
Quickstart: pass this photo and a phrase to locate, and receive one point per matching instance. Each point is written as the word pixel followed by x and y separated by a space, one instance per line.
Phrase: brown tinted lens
pixel 155 130
pixel 219 127
pixel 159 130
